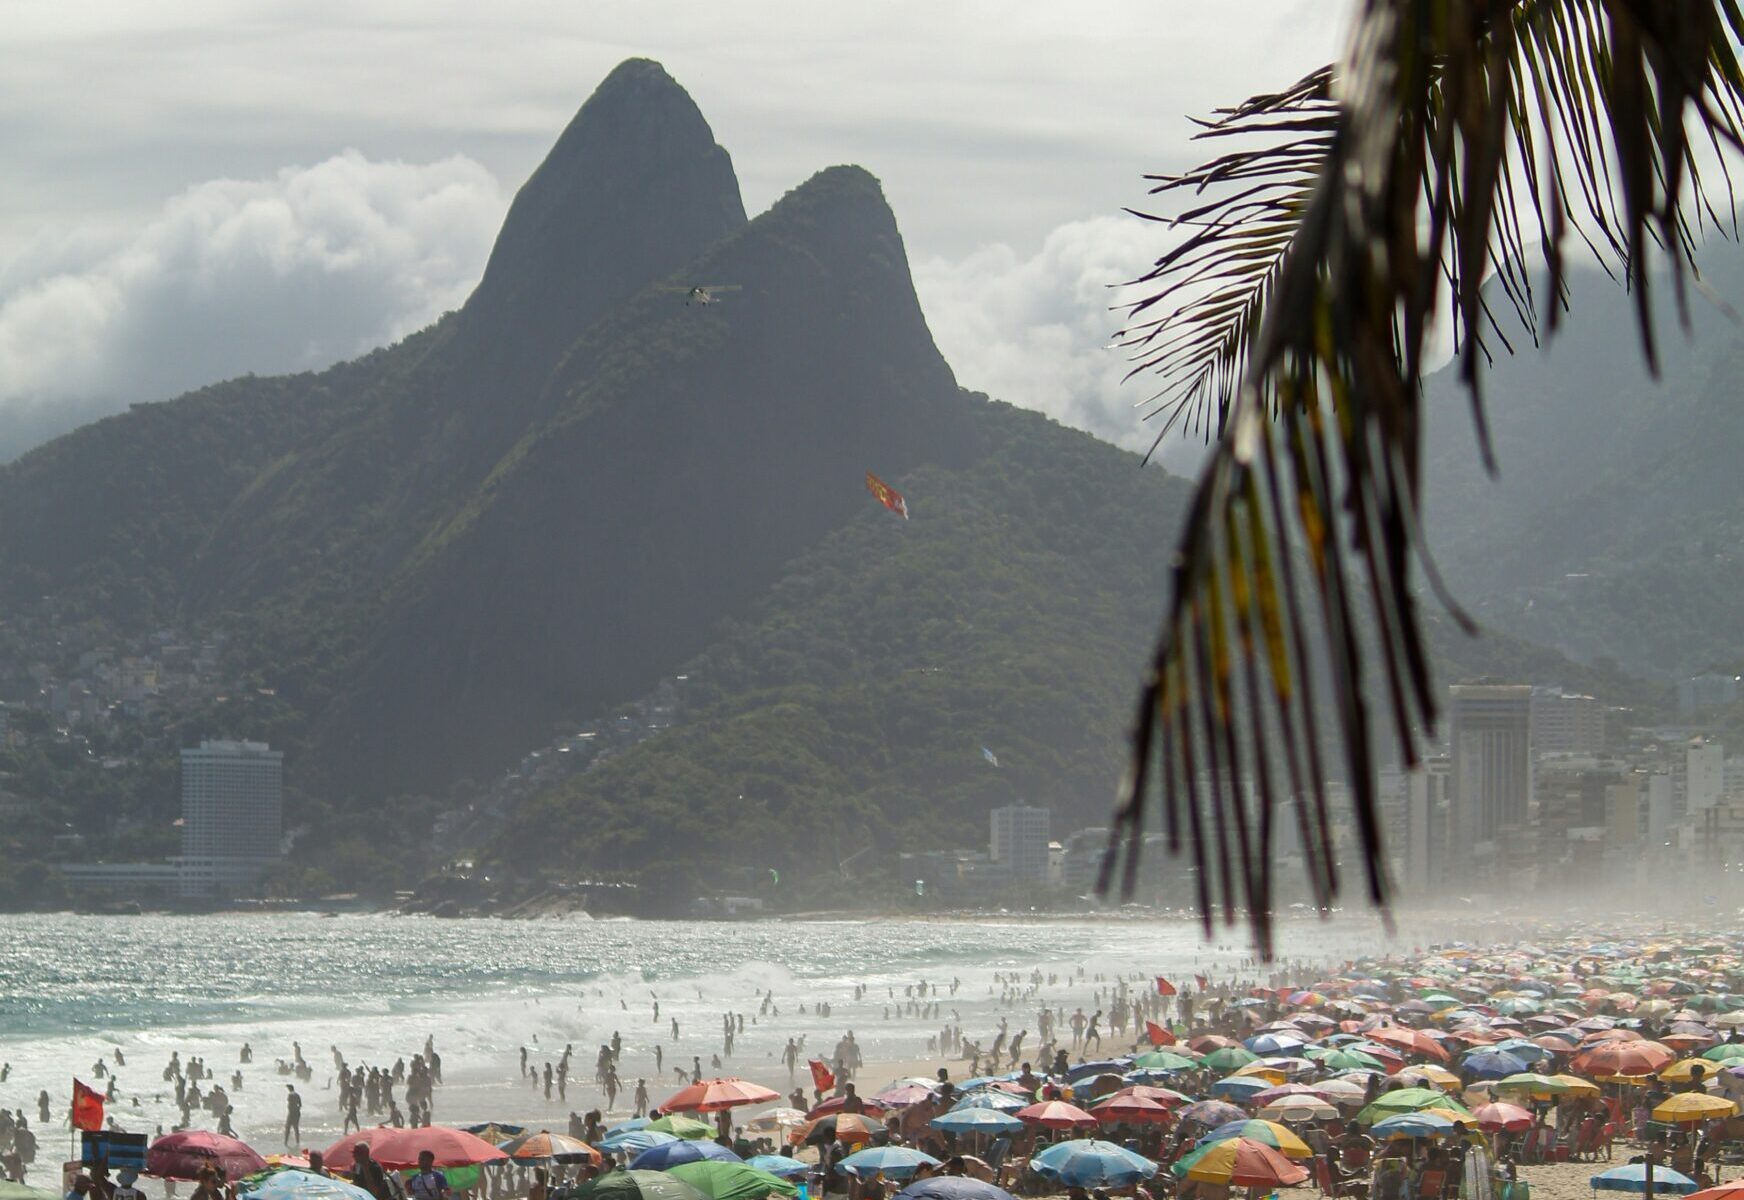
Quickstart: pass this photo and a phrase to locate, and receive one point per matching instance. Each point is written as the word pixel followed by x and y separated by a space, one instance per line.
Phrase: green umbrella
pixel 1406 1100
pixel 1334 1058
pixel 679 1125
pixel 1725 1052
pixel 637 1185
pixel 731 1180
pixel 19 1191
pixel 1164 1060
pixel 1229 1058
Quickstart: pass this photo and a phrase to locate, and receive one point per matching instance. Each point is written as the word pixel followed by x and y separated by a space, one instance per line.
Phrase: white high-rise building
pixel 232 815
pixel 1019 839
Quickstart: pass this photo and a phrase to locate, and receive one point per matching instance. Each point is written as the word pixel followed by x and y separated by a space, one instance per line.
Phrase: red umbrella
pixel 1131 1109
pixel 183 1155
pixel 714 1095
pixel 1056 1114
pixel 398 1149
pixel 1167 1097
pixel 1724 1191
pixel 834 1104
pixel 1499 1116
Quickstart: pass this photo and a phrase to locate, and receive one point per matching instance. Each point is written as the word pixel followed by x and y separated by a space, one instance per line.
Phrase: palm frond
pixel 1290 324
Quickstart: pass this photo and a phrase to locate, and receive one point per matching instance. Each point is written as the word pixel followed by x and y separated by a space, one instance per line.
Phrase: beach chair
pixel 1430 1185
pixel 1331 1185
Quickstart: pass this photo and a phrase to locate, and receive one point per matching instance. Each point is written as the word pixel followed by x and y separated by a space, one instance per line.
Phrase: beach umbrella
pixel 715 1095
pixel 1239 1162
pixel 780 1166
pixel 634 1141
pixel 20 1191
pixel 1241 1087
pixel 1000 1101
pixel 497 1132
pixel 1346 1093
pixel 1280 1042
pixel 1228 1058
pixel 897 1162
pixel 976 1120
pixel 1340 1059
pixel 1167 1097
pixel 1498 1116
pixel 1633 1178
pixel 834 1105
pixel 1405 1100
pixel 1133 1110
pixel 679 1125
pixel 1057 1114
pixel 1687 1108
pixel 1429 1075
pixel 295 1161
pixel 637 1185
pixel 1211 1113
pixel 1490 1063
pixel 1088 1163
pixel 398 1149
pixel 775 1122
pixel 1296 1109
pixel 1686 1069
pixel 183 1155
pixel 904 1093
pixel 292 1184
pixel 550 1147
pixel 685 1150
pixel 952 1187
pixel 1165 1061
pixel 731 1180
pixel 1724 1191
pixel 1615 1058
pixel 1269 1133
pixel 1724 1052
pixel 850 1128
pixel 1413 1125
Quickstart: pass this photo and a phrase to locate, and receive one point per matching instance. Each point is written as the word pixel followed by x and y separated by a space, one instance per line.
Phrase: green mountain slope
pixel 850 707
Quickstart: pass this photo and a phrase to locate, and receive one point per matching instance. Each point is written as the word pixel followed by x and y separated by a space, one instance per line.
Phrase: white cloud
pixel 1034 329
pixel 305 268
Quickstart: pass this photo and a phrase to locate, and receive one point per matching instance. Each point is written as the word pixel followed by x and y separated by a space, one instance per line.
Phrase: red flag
pixel 1158 1035
pixel 1204 983
pixel 888 496
pixel 1164 987
pixel 821 1076
pixel 87 1107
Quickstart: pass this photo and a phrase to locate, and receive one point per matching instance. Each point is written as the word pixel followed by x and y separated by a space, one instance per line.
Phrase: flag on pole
pixel 888 496
pixel 989 756
pixel 1164 987
pixel 1158 1035
pixel 821 1076
pixel 87 1107
pixel 1203 982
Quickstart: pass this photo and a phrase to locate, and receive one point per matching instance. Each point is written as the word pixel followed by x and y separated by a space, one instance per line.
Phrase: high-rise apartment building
pixel 1490 749
pixel 1566 723
pixel 232 815
pixel 1019 839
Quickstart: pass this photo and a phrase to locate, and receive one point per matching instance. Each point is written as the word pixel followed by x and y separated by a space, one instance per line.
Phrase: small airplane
pixel 707 293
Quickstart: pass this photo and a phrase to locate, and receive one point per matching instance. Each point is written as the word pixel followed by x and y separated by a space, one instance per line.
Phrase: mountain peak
pixel 633 188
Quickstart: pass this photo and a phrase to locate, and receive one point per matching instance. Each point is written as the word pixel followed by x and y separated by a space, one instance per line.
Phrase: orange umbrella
pixel 1057 1114
pixel 1240 1162
pixel 1414 1041
pixel 714 1095
pixel 1623 1058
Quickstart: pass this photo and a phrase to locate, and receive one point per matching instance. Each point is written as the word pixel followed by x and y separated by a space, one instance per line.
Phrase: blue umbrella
pixel 1532 1052
pixel 1108 1066
pixel 684 1150
pixel 1275 1043
pixel 1492 1064
pixel 1633 1178
pixel 782 1167
pixel 998 1101
pixel 630 1126
pixel 977 1120
pixel 1413 1124
pixel 1240 1087
pixel 898 1162
pixel 1086 1163
pixel 634 1141
pixel 952 1187
pixel 304 1185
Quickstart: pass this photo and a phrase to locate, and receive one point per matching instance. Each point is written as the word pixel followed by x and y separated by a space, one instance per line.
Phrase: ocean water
pixel 72 989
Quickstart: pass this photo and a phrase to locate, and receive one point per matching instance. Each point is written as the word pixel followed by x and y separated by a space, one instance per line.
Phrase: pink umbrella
pixel 398 1149
pixel 184 1155
pixel 713 1095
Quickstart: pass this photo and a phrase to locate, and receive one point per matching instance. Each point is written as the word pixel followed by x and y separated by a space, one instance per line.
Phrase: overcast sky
pixel 199 189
